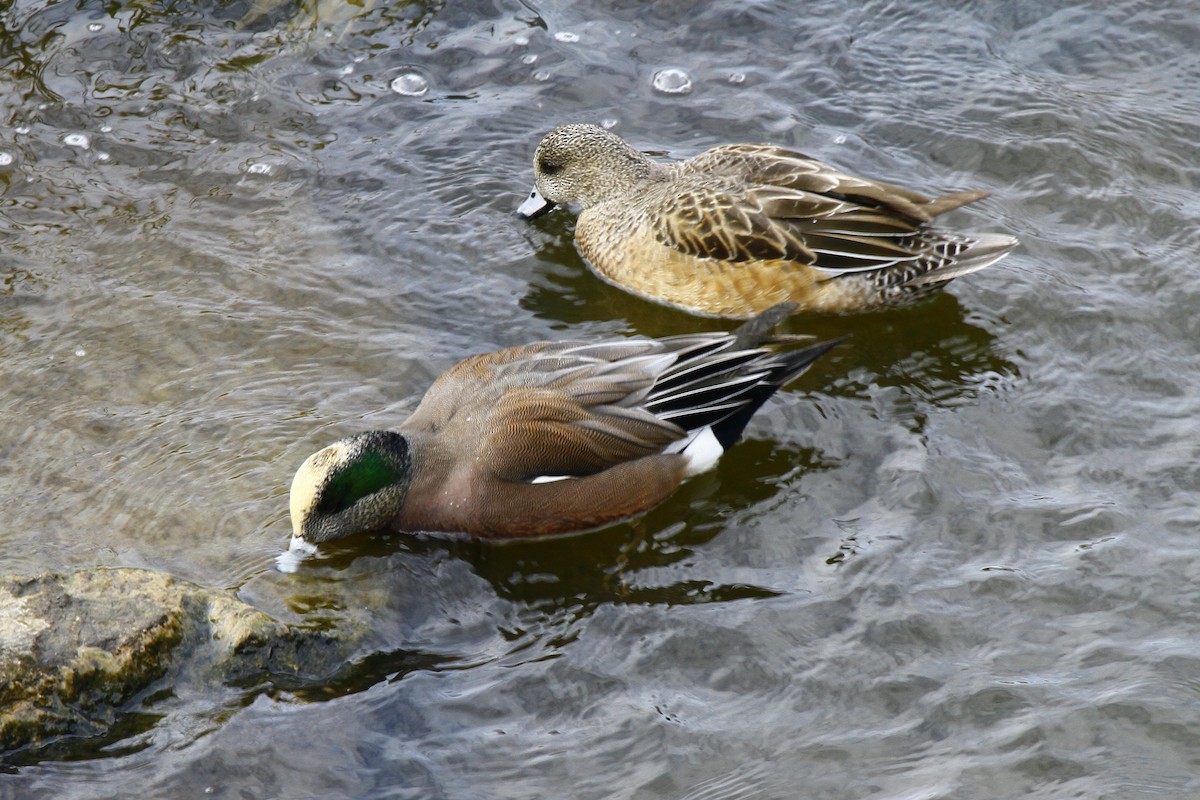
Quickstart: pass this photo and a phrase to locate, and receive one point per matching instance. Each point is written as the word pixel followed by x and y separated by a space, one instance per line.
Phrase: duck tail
pixel 949 202
pixel 783 368
pixel 758 330
pixel 981 250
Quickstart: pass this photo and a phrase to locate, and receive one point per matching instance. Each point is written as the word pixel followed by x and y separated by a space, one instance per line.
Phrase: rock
pixel 76 648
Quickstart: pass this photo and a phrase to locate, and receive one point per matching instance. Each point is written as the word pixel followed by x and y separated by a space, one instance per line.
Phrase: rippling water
pixel 956 560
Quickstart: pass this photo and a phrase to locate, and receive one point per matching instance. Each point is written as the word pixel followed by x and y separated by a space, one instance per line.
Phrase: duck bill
pixel 534 206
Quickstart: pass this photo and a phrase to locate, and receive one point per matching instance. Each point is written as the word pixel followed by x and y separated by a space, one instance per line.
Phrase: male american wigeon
pixel 739 228
pixel 550 437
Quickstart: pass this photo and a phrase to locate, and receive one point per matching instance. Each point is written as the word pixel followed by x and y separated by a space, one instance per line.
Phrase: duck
pixel 739 228
pixel 550 437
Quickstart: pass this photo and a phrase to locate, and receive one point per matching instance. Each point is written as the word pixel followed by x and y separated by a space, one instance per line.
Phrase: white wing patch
pixel 551 478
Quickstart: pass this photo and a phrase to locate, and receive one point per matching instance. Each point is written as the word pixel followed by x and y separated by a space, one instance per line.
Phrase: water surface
pixel 955 560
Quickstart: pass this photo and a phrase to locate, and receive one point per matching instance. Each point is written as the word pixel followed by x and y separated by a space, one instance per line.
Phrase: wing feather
pixel 766 203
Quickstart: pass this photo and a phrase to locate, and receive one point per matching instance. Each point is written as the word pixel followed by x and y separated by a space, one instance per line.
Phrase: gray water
pixel 956 560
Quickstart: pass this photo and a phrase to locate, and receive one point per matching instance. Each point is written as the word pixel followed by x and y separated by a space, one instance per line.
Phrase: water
pixel 957 560
pixel 672 81
pixel 410 84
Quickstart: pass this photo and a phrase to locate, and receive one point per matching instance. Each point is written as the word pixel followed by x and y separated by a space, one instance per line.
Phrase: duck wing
pixel 549 409
pixel 762 203
pixel 769 165
pixel 570 409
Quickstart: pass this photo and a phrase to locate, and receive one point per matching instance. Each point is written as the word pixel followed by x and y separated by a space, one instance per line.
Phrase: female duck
pixel 739 228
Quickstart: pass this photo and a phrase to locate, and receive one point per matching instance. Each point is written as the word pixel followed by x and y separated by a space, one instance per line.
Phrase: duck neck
pixel 640 167
pixel 630 170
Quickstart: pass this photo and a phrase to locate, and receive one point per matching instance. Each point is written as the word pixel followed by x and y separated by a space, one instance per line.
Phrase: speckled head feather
pixel 586 164
pixel 351 485
pixel 740 228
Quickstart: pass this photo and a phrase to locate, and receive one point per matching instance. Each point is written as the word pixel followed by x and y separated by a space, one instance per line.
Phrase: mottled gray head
pixel 582 164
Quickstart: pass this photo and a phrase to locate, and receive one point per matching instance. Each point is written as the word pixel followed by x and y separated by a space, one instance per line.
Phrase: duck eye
pixel 550 167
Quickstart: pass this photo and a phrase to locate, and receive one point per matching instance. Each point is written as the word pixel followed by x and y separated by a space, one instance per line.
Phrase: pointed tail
pixel 984 250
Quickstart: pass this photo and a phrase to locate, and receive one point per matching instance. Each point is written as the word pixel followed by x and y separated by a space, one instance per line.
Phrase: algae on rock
pixel 76 648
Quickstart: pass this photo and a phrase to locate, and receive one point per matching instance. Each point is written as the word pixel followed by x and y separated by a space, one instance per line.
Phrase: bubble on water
pixel 102 156
pixel 346 70
pixel 839 139
pixel 672 81
pixel 21 129
pixel 6 159
pixel 79 140
pixel 259 168
pixel 566 36
pixel 80 352
pixel 608 123
pixel 106 128
pixel 542 75
pixel 737 77
pixel 410 84
pixel 521 41
pixel 95 27
pixel 529 59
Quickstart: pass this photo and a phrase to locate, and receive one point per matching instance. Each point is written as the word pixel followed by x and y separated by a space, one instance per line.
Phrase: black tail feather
pixel 786 368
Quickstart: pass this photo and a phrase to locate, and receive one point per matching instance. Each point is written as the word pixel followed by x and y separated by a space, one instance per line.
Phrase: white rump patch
pixel 702 449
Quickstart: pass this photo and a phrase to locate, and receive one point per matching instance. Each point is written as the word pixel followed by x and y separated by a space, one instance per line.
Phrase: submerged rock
pixel 76 648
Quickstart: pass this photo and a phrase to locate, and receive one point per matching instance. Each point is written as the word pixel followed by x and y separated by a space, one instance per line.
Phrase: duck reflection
pixel 933 352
